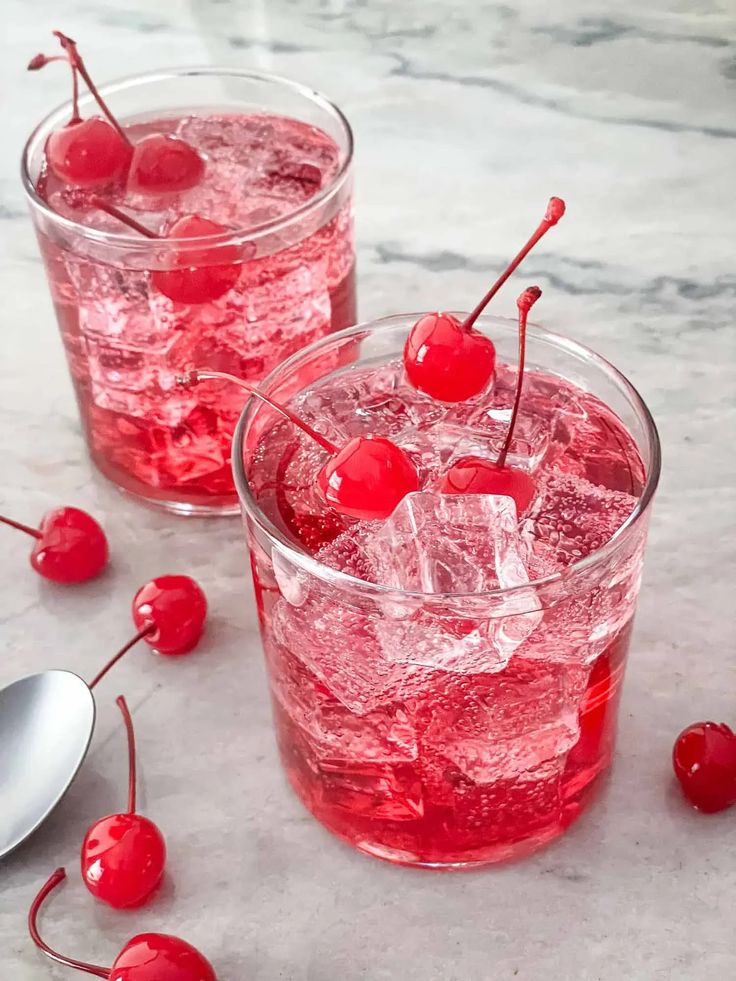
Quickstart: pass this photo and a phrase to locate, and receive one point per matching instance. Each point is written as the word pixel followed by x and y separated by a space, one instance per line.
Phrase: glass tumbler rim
pixel 311 565
pixel 236 236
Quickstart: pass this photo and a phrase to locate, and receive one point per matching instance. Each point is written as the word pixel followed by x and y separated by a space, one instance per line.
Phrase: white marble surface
pixel 467 115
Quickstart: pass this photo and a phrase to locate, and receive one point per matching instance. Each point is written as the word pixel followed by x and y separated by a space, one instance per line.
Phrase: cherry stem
pixel 525 302
pixel 76 118
pixel 77 63
pixel 114 212
pixel 41 60
pixel 143 632
pixel 58 876
pixel 196 375
pixel 555 211
pixel 127 718
pixel 34 532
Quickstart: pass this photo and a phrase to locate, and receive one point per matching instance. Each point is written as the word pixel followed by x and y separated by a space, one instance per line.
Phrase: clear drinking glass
pixel 126 342
pixel 454 729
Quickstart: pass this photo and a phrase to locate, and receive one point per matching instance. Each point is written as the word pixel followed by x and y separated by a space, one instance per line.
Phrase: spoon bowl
pixel 46 724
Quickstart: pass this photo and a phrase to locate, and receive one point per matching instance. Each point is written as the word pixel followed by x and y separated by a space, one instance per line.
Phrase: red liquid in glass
pixel 126 342
pixel 431 734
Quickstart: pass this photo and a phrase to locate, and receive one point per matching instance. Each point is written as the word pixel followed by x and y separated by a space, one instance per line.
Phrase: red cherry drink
pixel 446 681
pixel 140 303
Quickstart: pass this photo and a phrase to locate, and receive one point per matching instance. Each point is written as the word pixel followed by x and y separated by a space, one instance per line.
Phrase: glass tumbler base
pixel 166 499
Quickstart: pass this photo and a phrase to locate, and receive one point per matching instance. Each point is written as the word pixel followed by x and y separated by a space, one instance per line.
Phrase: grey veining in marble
pixel 468 115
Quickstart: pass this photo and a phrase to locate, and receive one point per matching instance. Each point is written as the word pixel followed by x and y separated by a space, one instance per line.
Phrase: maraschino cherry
pixel 205 277
pixel 704 760
pixel 70 546
pixel 164 164
pixel 175 608
pixel 366 478
pixel 170 613
pixel 86 152
pixel 446 357
pixel 123 855
pixel 96 151
pixel 199 281
pixel 473 474
pixel 146 957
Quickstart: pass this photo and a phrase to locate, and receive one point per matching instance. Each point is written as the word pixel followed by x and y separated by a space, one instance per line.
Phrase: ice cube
pixel 284 299
pixel 597 448
pixel 532 800
pixel 384 735
pixel 114 308
pixel 585 621
pixel 497 726
pixel 372 400
pixel 376 791
pixel 365 761
pixel 336 239
pixel 532 440
pixel 449 544
pixel 339 646
pixel 347 553
pixel 570 519
pixel 574 517
pixel 434 448
pixel 433 641
pixel 253 328
pixel 337 640
pixel 290 579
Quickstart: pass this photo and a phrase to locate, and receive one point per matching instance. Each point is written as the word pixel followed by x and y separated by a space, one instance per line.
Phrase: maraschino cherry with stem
pixel 366 478
pixel 96 151
pixel 170 614
pixel 205 277
pixel 475 475
pixel 70 546
pixel 145 957
pixel 704 761
pixel 85 152
pixel 123 855
pixel 446 357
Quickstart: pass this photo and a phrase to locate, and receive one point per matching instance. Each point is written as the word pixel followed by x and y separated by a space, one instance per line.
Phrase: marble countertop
pixel 467 116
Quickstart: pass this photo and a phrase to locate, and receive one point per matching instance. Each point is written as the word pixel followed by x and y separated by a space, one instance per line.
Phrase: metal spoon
pixel 46 723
